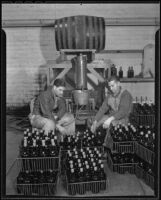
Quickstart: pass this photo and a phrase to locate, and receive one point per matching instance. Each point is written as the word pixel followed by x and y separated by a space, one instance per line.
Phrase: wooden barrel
pixel 80 32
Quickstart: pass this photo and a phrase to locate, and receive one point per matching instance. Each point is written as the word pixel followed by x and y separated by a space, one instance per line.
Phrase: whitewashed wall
pixel 29 48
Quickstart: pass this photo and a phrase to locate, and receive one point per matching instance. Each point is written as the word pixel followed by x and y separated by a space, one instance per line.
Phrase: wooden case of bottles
pixel 145 120
pixel 145 153
pixel 81 188
pixel 121 168
pixel 145 176
pixel 122 146
pixel 30 187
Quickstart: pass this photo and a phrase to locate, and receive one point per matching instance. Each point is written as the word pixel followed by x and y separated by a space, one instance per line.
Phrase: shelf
pixel 124 80
pixel 122 51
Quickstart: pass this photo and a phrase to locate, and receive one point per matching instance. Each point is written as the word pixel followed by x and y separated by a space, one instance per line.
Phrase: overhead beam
pixel 108 22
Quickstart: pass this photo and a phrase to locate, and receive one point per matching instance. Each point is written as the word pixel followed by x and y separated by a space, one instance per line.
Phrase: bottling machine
pixel 81 36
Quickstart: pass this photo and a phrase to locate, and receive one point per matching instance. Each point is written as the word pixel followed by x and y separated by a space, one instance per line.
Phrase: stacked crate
pixel 85 172
pixel 38 164
pixel 83 141
pixel 122 144
pixel 145 151
pixel 143 117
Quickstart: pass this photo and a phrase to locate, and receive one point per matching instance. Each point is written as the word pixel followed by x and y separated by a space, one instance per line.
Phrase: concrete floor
pixel 118 184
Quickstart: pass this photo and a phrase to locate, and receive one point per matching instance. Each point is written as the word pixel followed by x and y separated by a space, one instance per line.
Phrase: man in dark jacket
pixel 49 110
pixel 117 105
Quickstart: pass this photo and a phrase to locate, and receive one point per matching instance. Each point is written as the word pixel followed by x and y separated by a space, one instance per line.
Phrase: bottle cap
pixel 52 142
pixel 71 165
pixel 102 165
pixel 80 165
pixel 55 137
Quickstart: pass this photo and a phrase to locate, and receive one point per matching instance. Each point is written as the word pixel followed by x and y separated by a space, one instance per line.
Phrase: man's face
pixel 59 91
pixel 114 86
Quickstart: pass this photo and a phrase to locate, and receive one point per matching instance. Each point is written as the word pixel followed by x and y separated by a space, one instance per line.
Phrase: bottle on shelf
pixel 120 73
pixel 128 72
pixel 132 72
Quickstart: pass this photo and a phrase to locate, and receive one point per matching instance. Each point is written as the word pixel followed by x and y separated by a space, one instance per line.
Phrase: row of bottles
pixel 122 132
pixel 87 160
pixel 35 177
pixel 145 135
pixel 71 141
pixel 83 139
pixel 143 107
pixel 90 139
pixel 130 72
pixel 122 158
pixel 148 168
pixel 34 135
pixel 36 144
pixel 85 166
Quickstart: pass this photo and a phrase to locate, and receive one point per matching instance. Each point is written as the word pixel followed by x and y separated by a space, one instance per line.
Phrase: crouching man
pixel 49 110
pixel 118 104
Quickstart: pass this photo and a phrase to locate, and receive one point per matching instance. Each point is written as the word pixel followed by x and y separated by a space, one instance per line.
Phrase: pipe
pixel 108 22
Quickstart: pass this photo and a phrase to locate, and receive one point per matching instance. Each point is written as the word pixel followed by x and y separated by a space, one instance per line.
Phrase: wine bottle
pixel 95 178
pixel 42 152
pixel 128 72
pixel 102 177
pixel 34 149
pixel 24 151
pixel 120 73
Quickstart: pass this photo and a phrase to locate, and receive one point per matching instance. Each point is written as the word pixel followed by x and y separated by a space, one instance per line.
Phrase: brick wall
pixel 29 49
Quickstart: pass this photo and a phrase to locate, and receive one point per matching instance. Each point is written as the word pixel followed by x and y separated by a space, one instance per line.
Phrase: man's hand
pixel 107 123
pixel 94 126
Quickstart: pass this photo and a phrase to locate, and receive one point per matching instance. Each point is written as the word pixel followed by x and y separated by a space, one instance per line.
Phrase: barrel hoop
pixel 73 31
pixel 87 31
pixel 93 35
pixel 98 36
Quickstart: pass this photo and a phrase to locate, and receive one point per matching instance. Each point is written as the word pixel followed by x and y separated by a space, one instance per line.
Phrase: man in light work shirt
pixel 118 104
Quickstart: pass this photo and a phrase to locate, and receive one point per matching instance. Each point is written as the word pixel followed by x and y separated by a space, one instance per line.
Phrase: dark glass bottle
pixel 42 151
pixel 20 181
pixel 27 177
pixel 95 177
pixel 24 151
pixel 102 177
pixel 82 177
pixel 34 149
pixel 71 179
pixel 53 151
pixel 120 73
pixel 132 72
pixel 29 139
pixel 128 73
pixel 88 173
